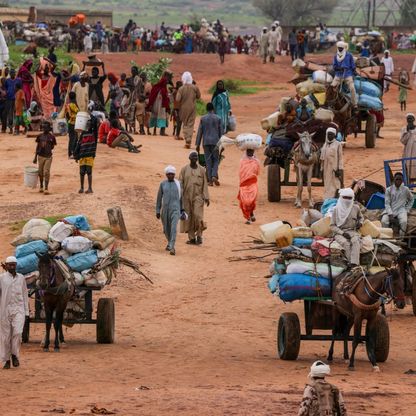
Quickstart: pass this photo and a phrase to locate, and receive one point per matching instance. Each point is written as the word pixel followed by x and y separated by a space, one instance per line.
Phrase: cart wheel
pixel 413 275
pixel 288 336
pixel 382 339
pixel 105 321
pixel 26 332
pixel 370 131
pixel 273 183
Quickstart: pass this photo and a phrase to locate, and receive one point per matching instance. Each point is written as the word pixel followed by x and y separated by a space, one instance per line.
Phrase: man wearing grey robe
pixel 398 202
pixel 169 207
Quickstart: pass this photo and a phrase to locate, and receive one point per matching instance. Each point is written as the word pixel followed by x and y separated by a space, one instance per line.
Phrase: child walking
pixel 71 115
pixel 85 154
pixel 45 143
pixel 404 79
pixel 20 107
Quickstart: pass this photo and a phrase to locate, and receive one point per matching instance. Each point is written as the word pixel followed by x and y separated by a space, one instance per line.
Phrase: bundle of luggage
pixel 88 256
pixel 309 257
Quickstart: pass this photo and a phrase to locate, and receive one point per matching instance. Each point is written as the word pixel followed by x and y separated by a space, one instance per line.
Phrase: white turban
pixel 82 74
pixel 344 206
pixel 11 259
pixel 193 152
pixel 170 169
pixel 320 369
pixel 410 115
pixel 331 130
pixel 387 51
pixel 187 78
pixel 342 44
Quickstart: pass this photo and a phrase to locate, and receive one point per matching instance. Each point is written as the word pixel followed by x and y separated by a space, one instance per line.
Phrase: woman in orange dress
pixel 44 82
pixel 247 195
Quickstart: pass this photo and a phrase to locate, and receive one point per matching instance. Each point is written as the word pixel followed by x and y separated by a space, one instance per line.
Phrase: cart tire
pixel 412 270
pixel 382 339
pixel 26 332
pixel 288 336
pixel 273 183
pixel 105 321
pixel 370 131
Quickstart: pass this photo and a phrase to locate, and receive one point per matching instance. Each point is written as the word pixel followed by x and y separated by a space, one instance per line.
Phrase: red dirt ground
pixel 202 339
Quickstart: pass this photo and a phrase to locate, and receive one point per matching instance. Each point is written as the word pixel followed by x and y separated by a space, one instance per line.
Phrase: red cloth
pixel 103 131
pixel 161 87
pixel 27 80
pixel 247 195
pixel 112 78
pixel 112 134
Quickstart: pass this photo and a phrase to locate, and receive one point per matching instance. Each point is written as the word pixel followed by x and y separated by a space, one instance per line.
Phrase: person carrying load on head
pixel 345 222
pixel 14 308
pixel 344 67
pixel 398 202
pixel 319 396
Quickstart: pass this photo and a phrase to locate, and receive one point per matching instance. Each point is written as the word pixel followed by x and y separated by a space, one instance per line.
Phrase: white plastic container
pixel 322 77
pixel 31 176
pixel 249 141
pixel 268 231
pixel 369 228
pixel 322 227
pixel 324 114
pixel 81 121
pixel 270 121
pixel 60 231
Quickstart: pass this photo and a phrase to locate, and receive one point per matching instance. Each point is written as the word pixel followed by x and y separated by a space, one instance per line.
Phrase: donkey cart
pixel 319 316
pixel 80 311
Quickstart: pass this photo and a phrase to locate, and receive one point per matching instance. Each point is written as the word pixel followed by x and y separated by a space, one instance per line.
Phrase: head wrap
pixel 11 259
pixel 410 115
pixel 344 206
pixel 112 77
pixel 319 369
pixel 193 152
pixel 170 169
pixel 341 55
pixel 387 51
pixel 265 28
pixel 330 130
pixel 82 74
pixel 277 23
pixel 187 78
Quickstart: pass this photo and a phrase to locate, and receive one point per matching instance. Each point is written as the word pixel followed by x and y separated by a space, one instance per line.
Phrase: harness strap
pixel 361 305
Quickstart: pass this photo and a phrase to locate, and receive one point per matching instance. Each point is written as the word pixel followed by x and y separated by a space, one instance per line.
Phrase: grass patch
pixel 106 228
pixel 17 226
pixel 17 56
pixel 201 109
pixel 236 87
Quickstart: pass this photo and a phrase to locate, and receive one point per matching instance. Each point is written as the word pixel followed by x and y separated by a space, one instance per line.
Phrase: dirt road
pixel 202 339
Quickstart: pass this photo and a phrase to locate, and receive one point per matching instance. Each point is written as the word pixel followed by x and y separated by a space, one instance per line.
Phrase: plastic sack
pixel 249 141
pixel 82 261
pixel 324 114
pixel 322 269
pixel 36 229
pixel 298 286
pixel 232 123
pixel 302 242
pixel 368 101
pixel 100 238
pixel 27 264
pixel 79 279
pixel 322 77
pixel 309 87
pixel 60 231
pixel 33 247
pixel 328 204
pixel 366 87
pixel 76 244
pixel 79 221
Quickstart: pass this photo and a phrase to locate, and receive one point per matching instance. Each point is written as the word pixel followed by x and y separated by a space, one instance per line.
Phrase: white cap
pixel 331 130
pixel 170 169
pixel 11 259
pixel 319 369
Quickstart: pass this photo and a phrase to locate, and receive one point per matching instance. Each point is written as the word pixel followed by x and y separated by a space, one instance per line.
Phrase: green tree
pixel 296 11
pixel 408 12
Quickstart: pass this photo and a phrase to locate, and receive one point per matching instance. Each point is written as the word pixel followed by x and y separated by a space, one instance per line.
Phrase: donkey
pixel 55 291
pixel 361 302
pixel 305 155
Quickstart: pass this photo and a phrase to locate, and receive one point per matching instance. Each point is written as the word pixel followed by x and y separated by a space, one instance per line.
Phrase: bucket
pixel 81 121
pixel 284 236
pixel 31 176
pixel 268 231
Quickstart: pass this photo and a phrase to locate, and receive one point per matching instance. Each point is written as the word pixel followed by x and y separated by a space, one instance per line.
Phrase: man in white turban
pixel 332 164
pixel 344 67
pixel 388 63
pixel 169 206
pixel 195 194
pixel 345 223
pixel 186 97
pixel 319 396
pixel 14 307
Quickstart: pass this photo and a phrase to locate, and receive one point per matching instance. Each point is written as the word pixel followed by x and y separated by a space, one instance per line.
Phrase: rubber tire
pixel 370 131
pixel 288 336
pixel 273 183
pixel 26 332
pixel 105 321
pixel 413 289
pixel 383 339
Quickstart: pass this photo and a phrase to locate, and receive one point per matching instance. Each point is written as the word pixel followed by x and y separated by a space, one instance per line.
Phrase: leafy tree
pixel 296 11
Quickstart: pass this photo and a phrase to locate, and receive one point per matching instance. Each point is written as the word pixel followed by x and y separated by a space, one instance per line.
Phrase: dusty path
pixel 201 340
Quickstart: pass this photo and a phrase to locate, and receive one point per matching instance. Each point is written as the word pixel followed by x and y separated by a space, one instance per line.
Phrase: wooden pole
pixel 118 227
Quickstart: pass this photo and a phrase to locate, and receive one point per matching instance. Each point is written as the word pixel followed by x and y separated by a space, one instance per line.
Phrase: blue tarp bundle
pixel 302 242
pixel 27 264
pixel 82 261
pixel 292 287
pixel 79 221
pixel 367 87
pixel 37 246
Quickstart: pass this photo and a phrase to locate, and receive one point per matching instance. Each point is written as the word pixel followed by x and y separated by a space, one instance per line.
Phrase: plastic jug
pixel 284 236
pixel 268 231
pixel 369 228
pixel 322 227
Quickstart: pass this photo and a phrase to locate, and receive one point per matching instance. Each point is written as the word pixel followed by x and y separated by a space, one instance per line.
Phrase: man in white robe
pixel 408 139
pixel 14 307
